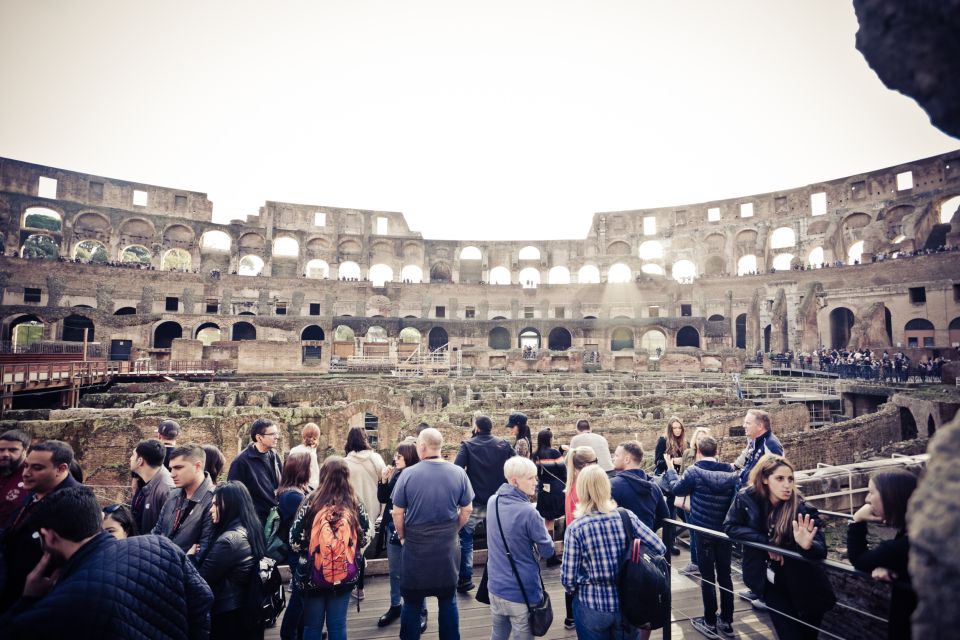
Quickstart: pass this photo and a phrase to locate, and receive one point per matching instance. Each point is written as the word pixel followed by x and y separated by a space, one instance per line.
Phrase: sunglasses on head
pixel 113 508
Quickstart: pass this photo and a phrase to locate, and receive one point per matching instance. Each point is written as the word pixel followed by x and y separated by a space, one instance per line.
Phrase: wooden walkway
pixel 475 617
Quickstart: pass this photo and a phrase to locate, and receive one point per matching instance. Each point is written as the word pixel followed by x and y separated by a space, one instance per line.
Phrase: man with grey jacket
pixel 185 517
pixel 155 483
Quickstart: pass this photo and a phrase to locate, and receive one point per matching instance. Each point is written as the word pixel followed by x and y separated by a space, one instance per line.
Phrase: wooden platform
pixel 749 623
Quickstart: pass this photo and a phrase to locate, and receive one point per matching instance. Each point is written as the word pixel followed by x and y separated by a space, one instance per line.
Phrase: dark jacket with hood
pixel 711 486
pixel 135 589
pixel 805 582
pixel 483 456
pixel 633 489
pixel 260 474
pixel 227 567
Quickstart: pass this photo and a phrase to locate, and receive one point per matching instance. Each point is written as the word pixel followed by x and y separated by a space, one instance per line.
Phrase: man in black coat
pixel 258 466
pixel 90 585
pixel 47 471
pixel 633 489
pixel 185 517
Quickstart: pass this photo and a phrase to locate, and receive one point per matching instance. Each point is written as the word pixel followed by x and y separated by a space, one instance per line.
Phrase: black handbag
pixel 541 614
pixel 483 592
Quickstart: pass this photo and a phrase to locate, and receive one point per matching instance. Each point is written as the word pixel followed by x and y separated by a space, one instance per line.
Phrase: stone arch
pixel 652 339
pixel 410 335
pixel 746 241
pixel 500 275
pixel 136 253
pixel 343 333
pixel 349 247
pixel 715 243
pixel 208 333
pixel 908 425
pixel 33 329
pixel 499 339
pixel 618 248
pixel 40 246
pixel 619 273
pixel 817 227
pixel 949 208
pixel 529 253
pixel 178 235
pixel 411 273
pixel 176 259
pixel 588 274
pixel 243 331
pixel 376 333
pixel 559 339
pixel 349 270
pixel 317 247
pixel 714 266
pixel 74 327
pixel 318 269
pixel 717 317
pixel 783 238
pixel 688 337
pixel 528 337
pixel 380 274
pixel 165 333
pixel 931 426
pixel 441 272
pixel 251 242
pixel 529 278
pixel 652 268
pixel 841 322
pixel 559 275
pixel 740 331
pixel 683 270
pixel 651 250
pixel 470 253
pixel 782 262
pixel 42 218
pixel 815 257
pixel 215 241
pixel 747 264
pixel 250 265
pixel 312 332
pixel 92 251
pixel 91 223
pixel 137 231
pixel 621 338
pixel 125 311
pixel 855 252
pixel 285 247
pixel 437 338
pixel 953 331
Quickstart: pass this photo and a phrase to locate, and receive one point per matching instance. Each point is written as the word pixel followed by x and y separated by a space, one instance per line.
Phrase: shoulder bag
pixel 541 615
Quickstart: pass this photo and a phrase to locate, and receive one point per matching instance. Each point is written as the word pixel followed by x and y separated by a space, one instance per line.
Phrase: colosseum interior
pixel 348 317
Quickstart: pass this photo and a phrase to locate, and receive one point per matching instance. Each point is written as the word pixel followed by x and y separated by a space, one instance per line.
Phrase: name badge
pixel 546 488
pixel 771 576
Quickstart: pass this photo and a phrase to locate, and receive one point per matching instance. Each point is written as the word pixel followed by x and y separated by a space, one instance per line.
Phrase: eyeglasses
pixel 270 435
pixel 111 508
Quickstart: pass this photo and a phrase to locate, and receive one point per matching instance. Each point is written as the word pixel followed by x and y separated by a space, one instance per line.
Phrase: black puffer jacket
pixel 710 485
pixel 228 567
pixel 806 582
pixel 141 588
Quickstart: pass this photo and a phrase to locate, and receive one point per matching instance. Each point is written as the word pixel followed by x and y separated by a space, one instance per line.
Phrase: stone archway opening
pixel 559 339
pixel 688 337
pixel 166 333
pixel 841 322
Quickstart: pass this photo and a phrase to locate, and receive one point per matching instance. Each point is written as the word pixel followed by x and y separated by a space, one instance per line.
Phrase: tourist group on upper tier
pixel 191 557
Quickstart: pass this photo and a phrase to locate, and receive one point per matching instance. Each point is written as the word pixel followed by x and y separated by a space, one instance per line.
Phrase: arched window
pixel 621 338
pixel 499 275
pixel 26 330
pixel 855 252
pixel 74 328
pixel 165 334
pixel 746 265
pixel 559 339
pixel 683 270
pixel 285 246
pixel 948 209
pixel 470 253
pixel 42 218
pixel 208 333
pixel 841 321
pixel 176 260
pixel 499 339
pixel 651 250
pixel 244 331
pixel 619 272
pixel 529 278
pixel 376 333
pixel 588 274
pixel 815 258
pixel 411 273
pixel 653 340
pixel 91 251
pixel 312 332
pixel 529 253
pixel 318 269
pixel 409 335
pixel 215 241
pixel 782 261
pixel 343 333
pixel 529 338
pixel 559 275
pixel 782 238
pixel 688 337
pixel 380 274
pixel 250 266
pixel 437 339
pixel 349 270
pixel 40 246
pixel 652 269
pixel 137 254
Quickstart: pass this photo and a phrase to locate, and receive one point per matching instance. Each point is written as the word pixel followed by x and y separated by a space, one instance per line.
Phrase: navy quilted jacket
pixel 711 486
pixel 142 588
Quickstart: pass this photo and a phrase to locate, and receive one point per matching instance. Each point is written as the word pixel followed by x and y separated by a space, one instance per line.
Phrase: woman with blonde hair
pixel 770 510
pixel 593 548
pixel 578 459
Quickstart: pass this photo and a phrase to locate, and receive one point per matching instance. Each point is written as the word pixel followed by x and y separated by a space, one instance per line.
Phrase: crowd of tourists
pixel 192 554
pixel 863 364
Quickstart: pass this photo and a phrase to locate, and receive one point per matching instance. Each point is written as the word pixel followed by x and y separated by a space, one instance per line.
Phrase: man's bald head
pixel 430 439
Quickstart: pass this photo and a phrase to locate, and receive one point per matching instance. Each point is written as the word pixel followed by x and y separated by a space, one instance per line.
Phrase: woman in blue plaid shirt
pixel 592 549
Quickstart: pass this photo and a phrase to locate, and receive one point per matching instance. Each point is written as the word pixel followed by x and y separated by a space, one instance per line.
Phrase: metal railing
pixel 25 373
pixel 94 349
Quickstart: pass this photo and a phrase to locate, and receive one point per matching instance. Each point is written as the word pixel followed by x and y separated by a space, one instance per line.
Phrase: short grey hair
pixel 518 466
pixel 430 438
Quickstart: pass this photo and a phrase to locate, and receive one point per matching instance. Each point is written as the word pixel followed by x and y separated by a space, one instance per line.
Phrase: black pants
pixel 231 625
pixel 787 629
pixel 713 559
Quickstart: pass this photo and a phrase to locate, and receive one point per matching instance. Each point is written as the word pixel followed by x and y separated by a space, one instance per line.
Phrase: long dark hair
pixel 235 506
pixel 296 472
pixel 895 489
pixel 214 461
pixel 544 444
pixel 409 454
pixel 335 488
pixel 356 440
pixel 123 516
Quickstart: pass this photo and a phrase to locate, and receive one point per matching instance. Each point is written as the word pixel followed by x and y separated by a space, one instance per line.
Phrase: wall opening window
pixel 686 309
pixel 905 181
pixel 918 295
pixel 653 311
pixel 314 308
pixel 31 294
pixel 383 226
pixel 713 214
pixel 649 225
pixel 47 188
pixel 213 306
pixel 140 198
pixel 319 219
pixel 179 202
pixel 746 210
pixel 818 204
pixel 281 308
pixel 528 312
pixel 172 304
pixel 559 312
pixel 440 312
pixel 95 191
pixel 470 312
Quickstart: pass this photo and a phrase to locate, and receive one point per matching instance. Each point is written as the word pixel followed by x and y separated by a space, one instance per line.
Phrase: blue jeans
pixel 395 562
pixel 448 618
pixel 466 542
pixel 601 625
pixel 330 609
pixel 293 616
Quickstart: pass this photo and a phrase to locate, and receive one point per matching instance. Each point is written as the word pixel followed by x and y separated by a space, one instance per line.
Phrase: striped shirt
pixel 592 550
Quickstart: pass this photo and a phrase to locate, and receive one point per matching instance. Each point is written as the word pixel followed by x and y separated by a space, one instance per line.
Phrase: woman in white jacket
pixel 366 467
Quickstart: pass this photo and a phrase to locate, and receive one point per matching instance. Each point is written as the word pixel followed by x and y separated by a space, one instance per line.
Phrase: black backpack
pixel 265 594
pixel 643 583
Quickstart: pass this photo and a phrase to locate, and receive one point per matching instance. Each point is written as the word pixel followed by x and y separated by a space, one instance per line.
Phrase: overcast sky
pixel 478 120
